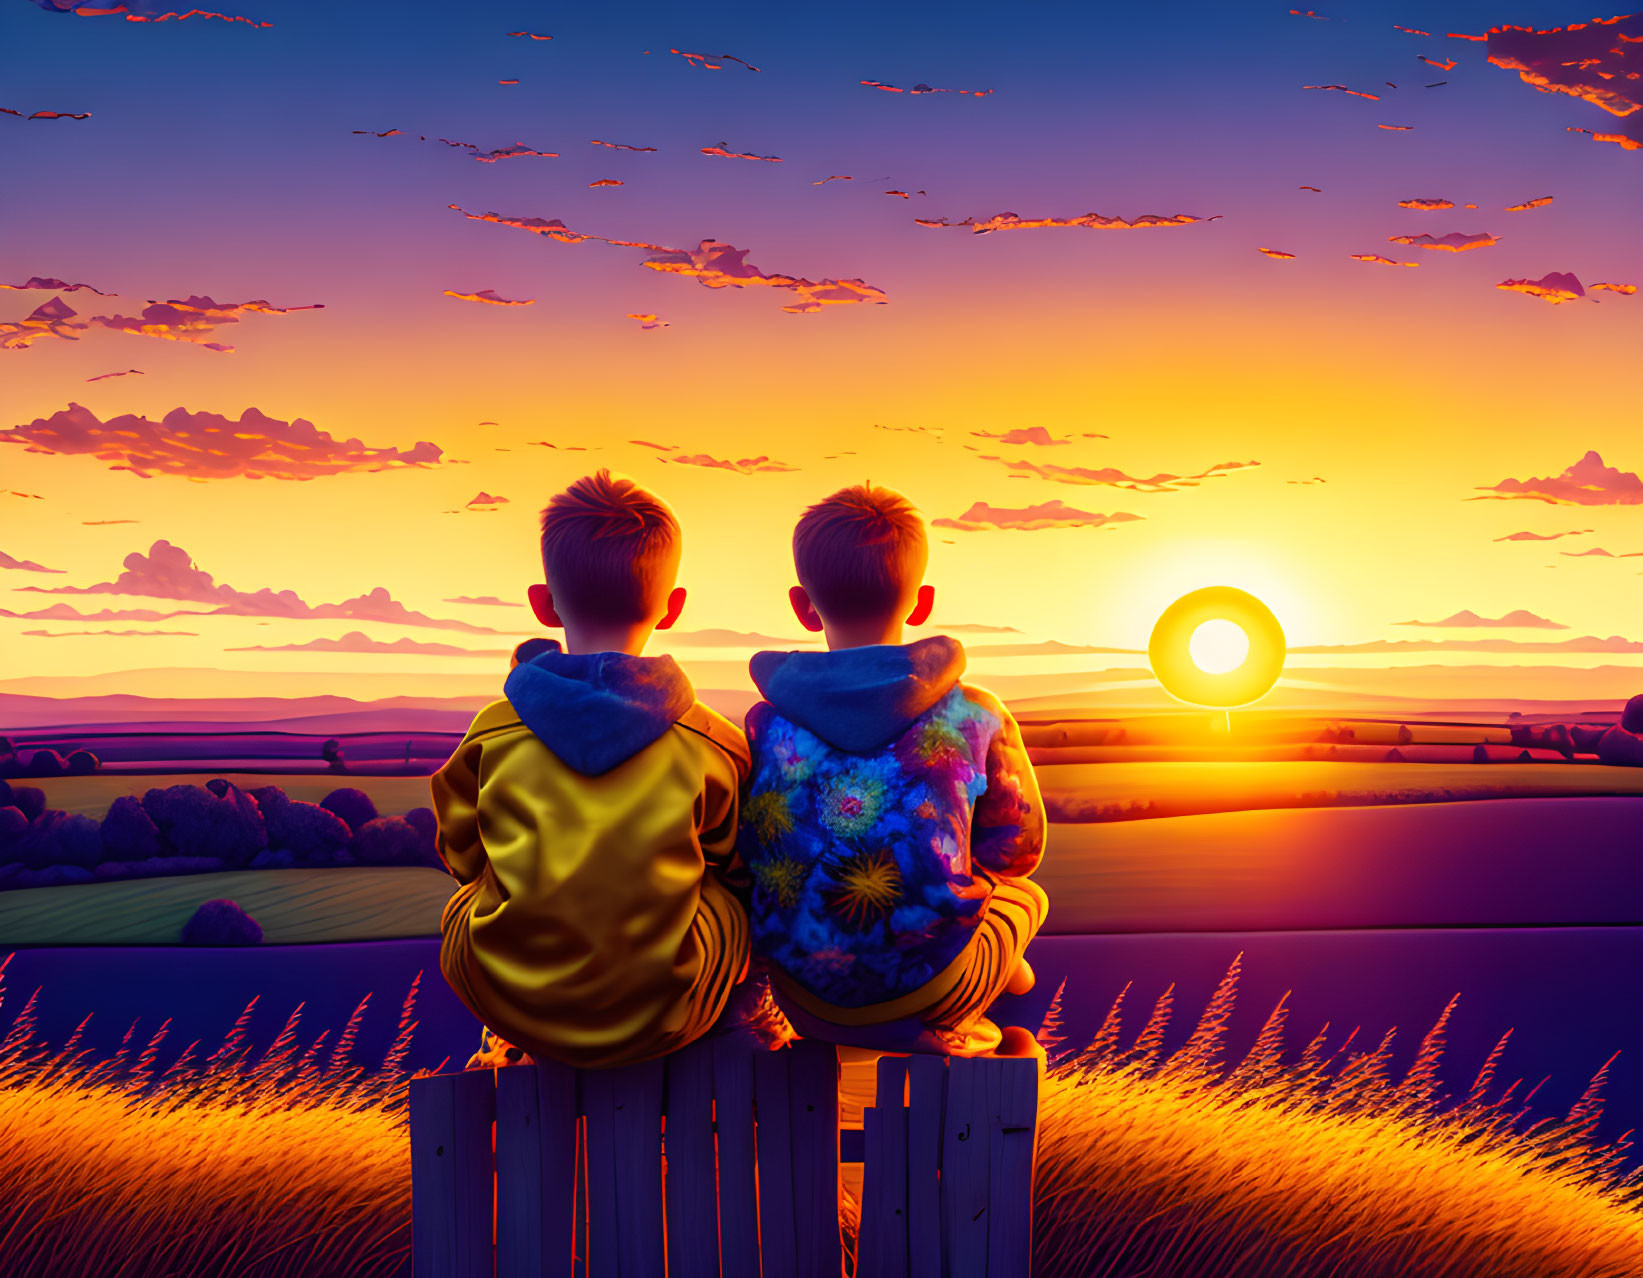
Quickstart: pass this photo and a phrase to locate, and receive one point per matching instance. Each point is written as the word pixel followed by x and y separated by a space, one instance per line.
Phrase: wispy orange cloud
pixel 711 62
pixel 1541 203
pixel 1378 259
pixel 1534 536
pixel 124 372
pixel 530 35
pixel 489 601
pixel 746 466
pixel 1600 553
pixel 1447 65
pixel 1554 287
pixel 1454 242
pixel 1627 289
pixel 169 572
pixel 492 296
pixel 109 634
pixel 1587 483
pixel 1598 62
pixel 836 177
pixel 1160 483
pixel 1094 221
pixel 1049 514
pixel 619 146
pixel 1409 30
pixel 605 182
pixel 210 446
pixel 1426 204
pixel 721 149
pixel 140 11
pixel 49 283
pixel 513 152
pixel 1341 88
pixel 1029 435
pixel 358 641
pixel 925 88
pixel 1279 254
pixel 648 321
pixel 48 115
pixel 485 501
pixel 193 319
pixel 54 318
pixel 1397 128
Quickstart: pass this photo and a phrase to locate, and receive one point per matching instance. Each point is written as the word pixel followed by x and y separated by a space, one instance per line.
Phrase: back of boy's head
pixel 610 549
pixel 860 552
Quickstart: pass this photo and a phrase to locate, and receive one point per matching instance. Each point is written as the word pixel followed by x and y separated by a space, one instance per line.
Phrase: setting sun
pixel 1218 646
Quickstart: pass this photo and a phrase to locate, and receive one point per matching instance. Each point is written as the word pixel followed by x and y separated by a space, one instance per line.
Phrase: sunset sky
pixel 220 161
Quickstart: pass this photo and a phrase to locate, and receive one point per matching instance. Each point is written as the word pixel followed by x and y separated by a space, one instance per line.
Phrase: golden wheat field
pixel 296 1163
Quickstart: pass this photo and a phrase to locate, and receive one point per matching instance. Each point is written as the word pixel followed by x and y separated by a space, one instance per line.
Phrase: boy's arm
pixel 456 803
pixel 718 805
pixel 1007 828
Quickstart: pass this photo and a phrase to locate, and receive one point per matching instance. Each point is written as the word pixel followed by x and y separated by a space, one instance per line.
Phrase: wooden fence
pixel 720 1162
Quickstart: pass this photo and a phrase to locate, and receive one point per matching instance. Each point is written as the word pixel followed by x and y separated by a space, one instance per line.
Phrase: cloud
pixel 492 296
pixel 54 318
pixel 1378 259
pixel 1159 483
pixel 661 448
pixel 924 88
pixel 27 565
pixel 1553 287
pixel 1541 203
pixel 711 62
pixel 1341 88
pixel 1534 536
pixel 108 634
pixel 1585 643
pixel 67 612
pixel 489 601
pixel 1049 514
pixel 530 35
pixel 836 177
pixel 193 319
pixel 746 466
pixel 209 446
pixel 514 152
pixel 713 264
pixel 1520 619
pixel 1396 128
pixel 169 572
pixel 1027 435
pixel 1599 62
pixel 49 115
pixel 619 146
pixel 484 501
pixel 1426 205
pixel 138 11
pixel 722 149
pixel 51 283
pixel 648 321
pixel 1448 64
pixel 1454 242
pixel 1048 648
pixel 356 641
pixel 1316 479
pixel 718 638
pixel 978 628
pixel 1094 221
pixel 1587 483
pixel 604 182
pixel 124 372
pixel 1276 253
pixel 1627 289
pixel 1600 553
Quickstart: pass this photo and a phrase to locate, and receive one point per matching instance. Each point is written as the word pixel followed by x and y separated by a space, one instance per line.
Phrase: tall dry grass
pixel 296 1163
pixel 1188 1166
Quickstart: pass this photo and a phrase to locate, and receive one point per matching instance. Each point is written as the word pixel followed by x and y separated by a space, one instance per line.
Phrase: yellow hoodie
pixel 589 818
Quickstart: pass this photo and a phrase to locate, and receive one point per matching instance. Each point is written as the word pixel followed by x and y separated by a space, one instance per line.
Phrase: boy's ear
pixel 675 605
pixel 804 610
pixel 921 609
pixel 541 600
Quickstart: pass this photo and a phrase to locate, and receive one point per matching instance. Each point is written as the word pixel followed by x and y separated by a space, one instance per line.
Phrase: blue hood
pixel 595 710
pixel 860 699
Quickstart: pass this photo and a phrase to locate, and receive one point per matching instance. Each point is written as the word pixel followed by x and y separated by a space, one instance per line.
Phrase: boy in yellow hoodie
pixel 590 817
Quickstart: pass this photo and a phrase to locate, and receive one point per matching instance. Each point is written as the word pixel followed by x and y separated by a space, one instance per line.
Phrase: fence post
pixel 536 1117
pixel 692 1204
pixel 452 1181
pixel 1013 1121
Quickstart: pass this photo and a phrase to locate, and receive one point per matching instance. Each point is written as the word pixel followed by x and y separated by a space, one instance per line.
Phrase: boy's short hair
pixel 608 546
pixel 858 551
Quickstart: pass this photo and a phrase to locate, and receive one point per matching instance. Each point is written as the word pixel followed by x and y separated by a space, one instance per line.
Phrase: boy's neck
pixel 583 639
pixel 861 634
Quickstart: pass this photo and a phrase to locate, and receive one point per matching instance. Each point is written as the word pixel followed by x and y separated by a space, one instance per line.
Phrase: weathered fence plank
pixel 535 1171
pixel 926 1098
pixel 1013 1114
pixel 883 1245
pixel 813 1079
pixel 692 1200
pixel 738 1202
pixel 604 1217
pixel 965 1169
pixel 451 1175
pixel 638 1126
pixel 771 1099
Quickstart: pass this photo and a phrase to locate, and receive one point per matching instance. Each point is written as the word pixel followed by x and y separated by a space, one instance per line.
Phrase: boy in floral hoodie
pixel 892 817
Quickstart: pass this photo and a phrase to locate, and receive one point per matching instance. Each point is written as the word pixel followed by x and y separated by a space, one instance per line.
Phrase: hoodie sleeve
pixel 1007 828
pixel 455 790
pixel 718 806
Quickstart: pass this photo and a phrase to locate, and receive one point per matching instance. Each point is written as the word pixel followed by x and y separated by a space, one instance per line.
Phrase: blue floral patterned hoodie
pixel 880 786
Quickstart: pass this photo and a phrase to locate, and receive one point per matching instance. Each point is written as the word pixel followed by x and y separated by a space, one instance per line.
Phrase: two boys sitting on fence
pixel 889 816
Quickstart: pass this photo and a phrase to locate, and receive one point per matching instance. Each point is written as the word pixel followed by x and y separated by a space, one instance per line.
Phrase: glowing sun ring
pixel 1169 652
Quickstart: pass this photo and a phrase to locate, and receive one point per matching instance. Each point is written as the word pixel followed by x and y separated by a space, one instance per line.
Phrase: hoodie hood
pixel 860 699
pixel 595 710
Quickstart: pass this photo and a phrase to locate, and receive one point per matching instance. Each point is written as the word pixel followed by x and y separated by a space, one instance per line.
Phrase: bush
pixel 79 840
pixel 311 833
pixel 221 923
pixel 273 859
pixel 196 822
pixel 218 786
pixel 52 876
pixel 45 763
pixel 82 763
pixel 12 825
pixel 37 847
pixel 29 800
pixel 160 866
pixel 353 806
pixel 5 794
pixel 129 833
pixel 387 841
pixel 269 797
pixel 426 825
